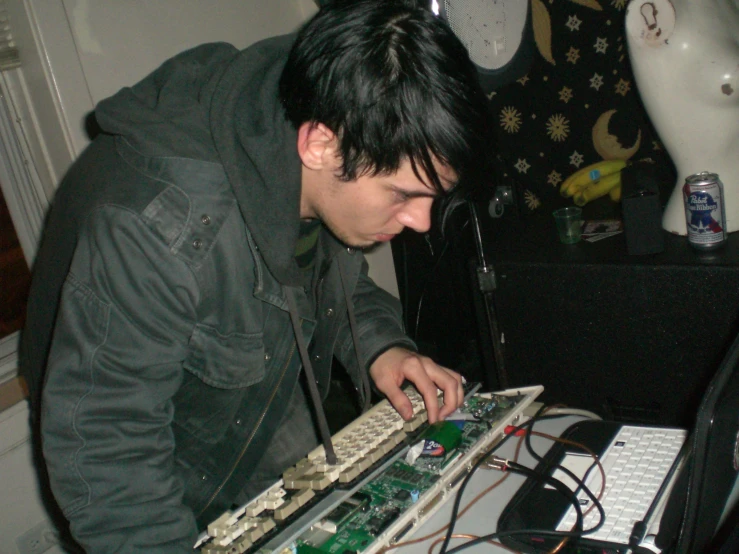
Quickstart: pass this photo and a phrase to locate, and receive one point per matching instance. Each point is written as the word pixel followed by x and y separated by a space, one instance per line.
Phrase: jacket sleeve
pixel 126 310
pixel 379 324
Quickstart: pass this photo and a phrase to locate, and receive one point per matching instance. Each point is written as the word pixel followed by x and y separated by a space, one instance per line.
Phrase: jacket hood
pixel 218 104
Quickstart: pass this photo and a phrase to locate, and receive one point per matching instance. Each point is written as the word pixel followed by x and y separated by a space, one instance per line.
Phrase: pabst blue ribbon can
pixel 705 212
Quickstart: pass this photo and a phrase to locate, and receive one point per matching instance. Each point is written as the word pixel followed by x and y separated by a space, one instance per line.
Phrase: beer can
pixel 705 211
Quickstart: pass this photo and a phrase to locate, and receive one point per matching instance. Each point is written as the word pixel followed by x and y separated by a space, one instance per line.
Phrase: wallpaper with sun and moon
pixel 577 105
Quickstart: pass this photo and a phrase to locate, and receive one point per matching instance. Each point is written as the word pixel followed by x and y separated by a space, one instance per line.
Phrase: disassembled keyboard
pixel 391 476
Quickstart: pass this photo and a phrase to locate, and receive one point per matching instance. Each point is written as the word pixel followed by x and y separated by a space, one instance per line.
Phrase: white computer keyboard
pixel 636 463
pixel 357 446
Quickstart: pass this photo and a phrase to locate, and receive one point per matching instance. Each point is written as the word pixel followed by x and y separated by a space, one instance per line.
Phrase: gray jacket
pixel 172 353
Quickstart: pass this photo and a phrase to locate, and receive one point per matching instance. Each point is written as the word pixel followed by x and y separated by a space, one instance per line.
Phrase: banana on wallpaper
pixel 576 108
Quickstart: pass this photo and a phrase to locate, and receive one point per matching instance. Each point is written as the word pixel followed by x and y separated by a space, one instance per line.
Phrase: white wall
pixel 74 54
pixel 20 496
pixel 77 52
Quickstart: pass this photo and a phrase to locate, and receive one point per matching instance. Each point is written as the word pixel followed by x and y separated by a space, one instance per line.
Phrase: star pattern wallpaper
pixel 578 103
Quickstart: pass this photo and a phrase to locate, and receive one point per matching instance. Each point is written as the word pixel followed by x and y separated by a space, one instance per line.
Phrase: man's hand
pixel 397 364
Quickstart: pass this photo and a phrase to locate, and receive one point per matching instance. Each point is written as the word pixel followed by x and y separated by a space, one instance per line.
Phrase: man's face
pixel 370 210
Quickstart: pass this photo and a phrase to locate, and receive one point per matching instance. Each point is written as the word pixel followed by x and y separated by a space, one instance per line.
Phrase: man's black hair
pixel 394 83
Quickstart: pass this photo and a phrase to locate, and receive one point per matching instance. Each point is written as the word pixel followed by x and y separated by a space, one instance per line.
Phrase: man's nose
pixel 416 214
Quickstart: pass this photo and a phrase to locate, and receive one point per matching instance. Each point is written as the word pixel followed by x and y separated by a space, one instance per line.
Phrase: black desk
pixel 629 337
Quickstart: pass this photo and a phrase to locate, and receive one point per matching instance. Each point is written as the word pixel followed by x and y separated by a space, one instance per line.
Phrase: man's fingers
pixel 430 398
pixel 450 406
pixel 395 365
pixel 450 383
pixel 400 402
pixel 395 395
pixel 417 373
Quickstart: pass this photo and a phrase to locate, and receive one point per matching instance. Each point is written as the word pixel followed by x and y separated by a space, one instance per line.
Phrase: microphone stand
pixel 486 283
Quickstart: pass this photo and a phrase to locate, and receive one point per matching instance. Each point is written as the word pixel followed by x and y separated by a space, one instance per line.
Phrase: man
pixel 206 249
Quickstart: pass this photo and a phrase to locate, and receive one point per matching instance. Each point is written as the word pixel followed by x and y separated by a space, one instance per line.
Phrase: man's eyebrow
pixel 419 194
pixel 416 193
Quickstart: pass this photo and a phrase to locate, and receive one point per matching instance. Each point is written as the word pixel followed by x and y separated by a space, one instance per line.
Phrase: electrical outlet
pixel 38 539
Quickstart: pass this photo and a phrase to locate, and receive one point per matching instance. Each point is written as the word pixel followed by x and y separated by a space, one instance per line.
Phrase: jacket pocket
pixel 219 371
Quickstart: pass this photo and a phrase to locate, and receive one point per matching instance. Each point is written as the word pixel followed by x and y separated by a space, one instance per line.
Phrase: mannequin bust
pixel 685 58
pixel 497 34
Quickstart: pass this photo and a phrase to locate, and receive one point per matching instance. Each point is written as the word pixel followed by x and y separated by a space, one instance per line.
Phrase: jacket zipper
pixel 251 437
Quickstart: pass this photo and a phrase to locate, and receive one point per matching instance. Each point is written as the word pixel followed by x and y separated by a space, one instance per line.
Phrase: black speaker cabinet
pixel 631 338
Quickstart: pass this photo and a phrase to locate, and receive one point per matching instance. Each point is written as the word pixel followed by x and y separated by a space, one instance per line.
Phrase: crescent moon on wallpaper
pixel 608 145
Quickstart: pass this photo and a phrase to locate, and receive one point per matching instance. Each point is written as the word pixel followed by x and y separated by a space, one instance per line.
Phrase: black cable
pixel 515 467
pixel 575 478
pixel 315 396
pixel 406 286
pixel 364 375
pixel 556 483
pixel 458 497
pixel 425 288
pixel 639 529
pixel 444 248
pixel 476 465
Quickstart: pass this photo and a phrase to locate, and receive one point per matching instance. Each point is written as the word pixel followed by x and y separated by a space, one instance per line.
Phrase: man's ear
pixel 317 146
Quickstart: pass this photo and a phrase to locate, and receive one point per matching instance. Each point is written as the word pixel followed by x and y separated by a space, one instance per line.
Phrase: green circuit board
pixel 353 525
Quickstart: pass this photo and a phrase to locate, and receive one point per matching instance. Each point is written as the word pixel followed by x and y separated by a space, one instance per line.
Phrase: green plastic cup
pixel 569 224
